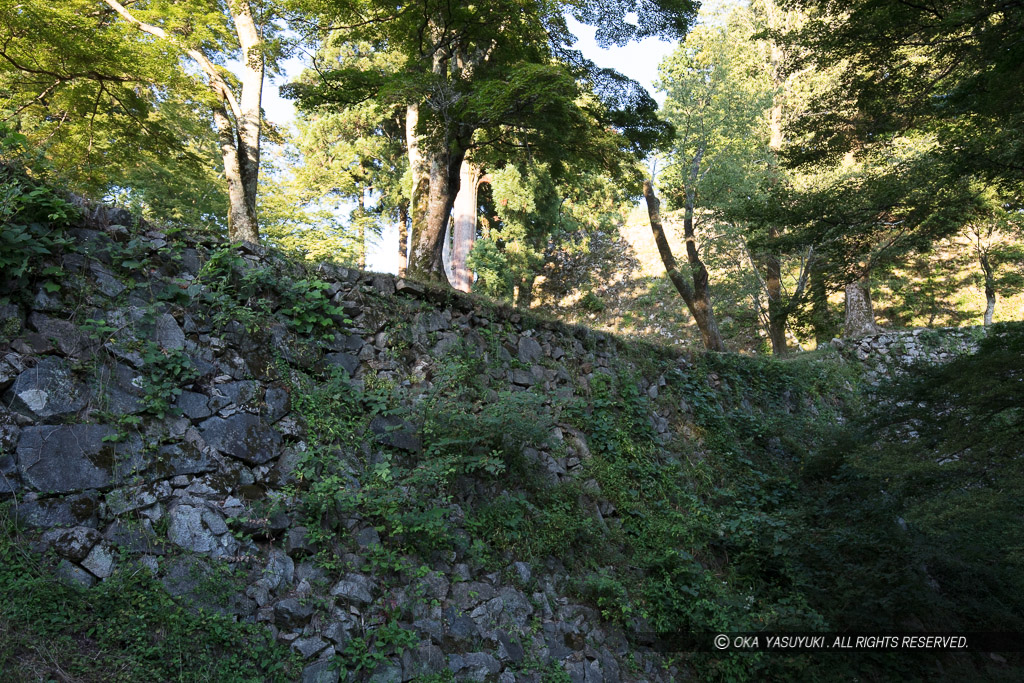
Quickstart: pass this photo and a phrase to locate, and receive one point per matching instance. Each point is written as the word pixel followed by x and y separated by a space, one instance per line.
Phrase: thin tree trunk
pixel 860 314
pixel 778 311
pixel 403 237
pixel 249 123
pixel 821 317
pixel 361 229
pixel 523 291
pixel 420 190
pixel 238 216
pixel 465 211
pixel 239 139
pixel 990 288
pixel 696 295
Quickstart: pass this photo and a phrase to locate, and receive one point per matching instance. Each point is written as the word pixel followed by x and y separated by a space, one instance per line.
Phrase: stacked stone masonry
pixel 99 477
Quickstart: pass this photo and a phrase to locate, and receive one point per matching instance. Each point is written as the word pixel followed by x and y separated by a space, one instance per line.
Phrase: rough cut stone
pixel 277 402
pixel 240 393
pixel 193 405
pixel 167 333
pixel 297 543
pixel 184 459
pixel 422 662
pixel 99 562
pixel 135 536
pixel 309 647
pixel 190 529
pixel 120 501
pixel 74 575
pixel 70 340
pixel 105 281
pixel 279 571
pixel 242 436
pixel 478 665
pixel 74 543
pixel 292 614
pixel 75 510
pixel 355 588
pixel 320 672
pixel 47 392
pixel 529 350
pixel 7 374
pixel 62 459
pixel 345 360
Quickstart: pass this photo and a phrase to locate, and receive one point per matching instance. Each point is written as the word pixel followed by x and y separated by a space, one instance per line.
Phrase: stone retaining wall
pixel 102 470
pixel 891 351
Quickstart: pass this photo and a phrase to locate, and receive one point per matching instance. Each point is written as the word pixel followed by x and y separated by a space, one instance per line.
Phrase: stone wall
pixel 136 427
pixel 890 352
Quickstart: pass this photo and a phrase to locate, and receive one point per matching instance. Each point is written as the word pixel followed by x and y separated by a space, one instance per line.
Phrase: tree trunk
pixel 360 214
pixel 241 224
pixel 426 259
pixel 860 315
pixel 464 236
pixel 420 190
pixel 523 291
pixel 821 317
pixel 696 296
pixel 239 140
pixel 249 122
pixel 990 287
pixel 403 237
pixel 778 311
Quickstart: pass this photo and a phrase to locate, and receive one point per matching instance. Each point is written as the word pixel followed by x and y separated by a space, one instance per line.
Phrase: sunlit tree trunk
pixel 403 238
pixel 464 225
pixel 426 260
pixel 990 287
pixel 361 228
pixel 860 314
pixel 238 119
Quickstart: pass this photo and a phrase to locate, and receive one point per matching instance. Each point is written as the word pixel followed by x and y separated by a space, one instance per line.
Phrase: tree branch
pixel 217 82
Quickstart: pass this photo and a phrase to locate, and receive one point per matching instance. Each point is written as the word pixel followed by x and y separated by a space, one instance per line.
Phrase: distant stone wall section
pixel 888 353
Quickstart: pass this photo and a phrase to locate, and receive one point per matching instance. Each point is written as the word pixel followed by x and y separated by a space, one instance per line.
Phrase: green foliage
pixel 386 641
pixel 127 628
pixel 166 372
pixel 238 292
pixel 947 446
pixel 32 222
pixel 494 274
pixel 308 307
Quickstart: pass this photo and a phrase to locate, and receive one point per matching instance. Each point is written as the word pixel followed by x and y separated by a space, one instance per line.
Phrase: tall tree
pixel 487 69
pixel 697 293
pixel 356 154
pixel 239 30
pixel 464 222
pixel 924 101
pixel 716 96
pixel 109 113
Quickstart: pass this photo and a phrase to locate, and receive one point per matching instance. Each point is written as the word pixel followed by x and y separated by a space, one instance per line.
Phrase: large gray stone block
pixel 242 436
pixel 47 392
pixel 66 458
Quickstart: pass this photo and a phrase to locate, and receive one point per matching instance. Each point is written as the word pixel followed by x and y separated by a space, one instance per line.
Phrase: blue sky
pixel 638 61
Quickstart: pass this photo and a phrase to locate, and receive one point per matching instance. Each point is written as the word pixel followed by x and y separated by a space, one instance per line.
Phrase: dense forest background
pixel 817 169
